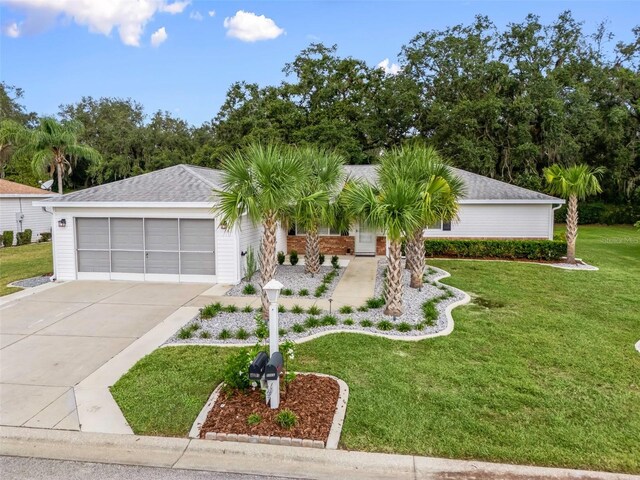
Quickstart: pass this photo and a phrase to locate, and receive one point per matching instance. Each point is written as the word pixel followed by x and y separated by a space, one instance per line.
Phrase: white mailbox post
pixel 272 289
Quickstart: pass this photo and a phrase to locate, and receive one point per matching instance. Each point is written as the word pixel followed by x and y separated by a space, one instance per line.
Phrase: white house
pixel 160 227
pixel 17 212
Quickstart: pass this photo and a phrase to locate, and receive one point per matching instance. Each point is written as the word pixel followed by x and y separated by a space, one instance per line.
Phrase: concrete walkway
pixel 208 455
pixel 356 285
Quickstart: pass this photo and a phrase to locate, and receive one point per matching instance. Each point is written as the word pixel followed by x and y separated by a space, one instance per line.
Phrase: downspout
pixel 553 219
pixel 53 243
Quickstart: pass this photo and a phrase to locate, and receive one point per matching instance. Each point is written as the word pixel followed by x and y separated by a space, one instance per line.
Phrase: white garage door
pixel 155 249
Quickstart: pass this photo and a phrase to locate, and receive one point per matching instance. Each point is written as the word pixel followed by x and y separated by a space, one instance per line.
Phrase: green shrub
pixel 298 328
pixel 7 238
pixel 335 261
pixel 429 312
pixel 303 292
pixel 328 320
pixel 293 257
pixel 252 264
pixel 281 308
pixel 210 310
pixel 366 323
pixel 236 370
pixel 282 332
pixel 420 325
pixel 363 308
pixel 312 322
pixel 385 325
pixel 403 327
pixel 314 310
pixel 224 334
pixel 321 258
pixel 262 329
pixel 205 334
pixel 348 321
pixel 242 334
pixel 23 238
pixel 249 289
pixel 286 418
pixel 375 302
pixel 254 419
pixel 320 290
pixel 507 249
pixel 44 237
pixel 346 309
pixel 328 278
pixel 602 213
pixel 230 309
pixel 185 333
pixel 247 309
pixel 287 292
pixel 281 258
pixel 297 309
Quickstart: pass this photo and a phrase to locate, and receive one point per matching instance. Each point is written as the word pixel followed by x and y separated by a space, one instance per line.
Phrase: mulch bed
pixel 311 397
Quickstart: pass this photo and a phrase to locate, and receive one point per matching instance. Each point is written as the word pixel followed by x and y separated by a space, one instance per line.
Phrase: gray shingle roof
pixel 180 183
pixel 188 183
pixel 478 187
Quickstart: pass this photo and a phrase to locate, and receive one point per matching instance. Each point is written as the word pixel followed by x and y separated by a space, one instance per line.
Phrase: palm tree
pixel 393 207
pixel 11 135
pixel 573 183
pixel 317 204
pixel 262 182
pixel 439 189
pixel 54 147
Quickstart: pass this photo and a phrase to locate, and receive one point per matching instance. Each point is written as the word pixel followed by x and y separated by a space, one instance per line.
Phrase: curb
pixel 25 292
pixel 182 453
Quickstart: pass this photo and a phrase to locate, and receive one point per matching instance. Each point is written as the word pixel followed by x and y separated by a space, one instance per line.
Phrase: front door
pixel 365 240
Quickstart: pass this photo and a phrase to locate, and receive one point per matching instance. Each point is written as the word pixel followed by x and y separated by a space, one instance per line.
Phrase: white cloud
pixel 11 30
pixel 212 13
pixel 196 16
pixel 388 67
pixel 99 16
pixel 249 27
pixel 158 37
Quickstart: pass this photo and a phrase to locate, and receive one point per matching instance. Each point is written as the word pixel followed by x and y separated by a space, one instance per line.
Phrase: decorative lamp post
pixel 272 289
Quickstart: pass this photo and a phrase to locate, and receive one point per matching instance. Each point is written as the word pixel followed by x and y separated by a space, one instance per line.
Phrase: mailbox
pixel 274 367
pixel 257 367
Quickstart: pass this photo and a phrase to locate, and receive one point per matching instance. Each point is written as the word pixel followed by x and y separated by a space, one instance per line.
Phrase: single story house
pixel 159 226
pixel 17 212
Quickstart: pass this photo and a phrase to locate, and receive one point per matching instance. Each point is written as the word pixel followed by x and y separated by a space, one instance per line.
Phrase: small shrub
pixel 312 322
pixel 282 332
pixel 335 261
pixel 262 330
pixel 185 333
pixel 194 327
pixel 420 325
pixel 320 291
pixel 236 370
pixel 321 258
pixel 375 302
pixel 363 308
pixel 247 309
pixel 249 289
pixel 286 418
pixel 7 238
pixel 281 258
pixel 230 309
pixel 348 321
pixel 328 278
pixel 254 418
pixel 298 328
pixel 281 308
pixel 297 309
pixel 314 310
pixel 252 264
pixel 224 334
pixel 385 325
pixel 346 309
pixel 210 310
pixel 366 323
pixel 23 238
pixel 287 292
pixel 303 292
pixel 44 237
pixel 293 257
pixel 328 320
pixel 403 327
pixel 429 312
pixel 205 334
pixel 242 334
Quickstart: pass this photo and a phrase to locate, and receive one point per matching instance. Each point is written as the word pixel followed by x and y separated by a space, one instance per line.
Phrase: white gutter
pixel 68 204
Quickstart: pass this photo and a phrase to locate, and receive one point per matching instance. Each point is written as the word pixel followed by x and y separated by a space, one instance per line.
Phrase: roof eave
pixel 92 204
pixel 538 201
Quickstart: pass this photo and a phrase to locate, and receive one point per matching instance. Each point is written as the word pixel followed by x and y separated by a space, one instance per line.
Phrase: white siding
pixel 281 239
pixel 64 246
pixel 34 218
pixel 500 221
pixel 227 255
pixel 250 236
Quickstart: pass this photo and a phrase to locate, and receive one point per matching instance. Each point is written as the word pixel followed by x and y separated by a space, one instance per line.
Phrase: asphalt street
pixel 20 468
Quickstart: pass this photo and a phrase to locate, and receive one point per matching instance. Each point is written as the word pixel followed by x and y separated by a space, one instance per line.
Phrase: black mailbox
pixel 274 367
pixel 256 369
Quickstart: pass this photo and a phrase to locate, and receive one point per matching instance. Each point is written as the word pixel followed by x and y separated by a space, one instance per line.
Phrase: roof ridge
pixel 188 169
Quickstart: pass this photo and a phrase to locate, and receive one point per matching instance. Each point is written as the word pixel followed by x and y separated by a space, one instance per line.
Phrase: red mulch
pixel 311 397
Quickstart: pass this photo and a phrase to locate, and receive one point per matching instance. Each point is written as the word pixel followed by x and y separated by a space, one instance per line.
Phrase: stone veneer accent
pixel 329 244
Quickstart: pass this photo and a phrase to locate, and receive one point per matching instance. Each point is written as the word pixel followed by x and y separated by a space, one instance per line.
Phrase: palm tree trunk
pixel 417 264
pixel 312 251
pixel 394 280
pixel 267 259
pixel 572 228
pixel 59 172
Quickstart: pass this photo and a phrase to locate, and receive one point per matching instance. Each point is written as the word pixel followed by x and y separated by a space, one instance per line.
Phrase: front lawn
pixel 540 369
pixel 21 262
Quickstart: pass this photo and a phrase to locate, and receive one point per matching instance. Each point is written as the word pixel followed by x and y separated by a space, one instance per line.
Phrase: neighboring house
pixel 159 227
pixel 17 212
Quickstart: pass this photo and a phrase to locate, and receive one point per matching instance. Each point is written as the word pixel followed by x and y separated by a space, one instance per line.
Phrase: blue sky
pixel 59 56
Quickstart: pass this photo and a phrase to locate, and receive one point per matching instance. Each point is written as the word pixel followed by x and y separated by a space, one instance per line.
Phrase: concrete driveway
pixel 52 340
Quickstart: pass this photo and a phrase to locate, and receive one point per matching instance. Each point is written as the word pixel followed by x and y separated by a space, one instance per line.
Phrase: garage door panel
pixel 92 233
pixel 126 234
pixel 197 263
pixel 127 262
pixel 161 234
pixel 93 261
pixel 162 262
pixel 197 235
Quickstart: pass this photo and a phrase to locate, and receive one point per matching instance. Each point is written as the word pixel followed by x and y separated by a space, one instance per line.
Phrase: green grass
pixel 17 263
pixel 540 369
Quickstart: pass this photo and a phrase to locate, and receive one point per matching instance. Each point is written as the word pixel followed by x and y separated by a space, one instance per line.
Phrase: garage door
pixel 154 249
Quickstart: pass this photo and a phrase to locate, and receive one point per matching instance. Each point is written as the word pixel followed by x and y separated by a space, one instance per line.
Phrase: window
pixel 435 226
pixel 323 231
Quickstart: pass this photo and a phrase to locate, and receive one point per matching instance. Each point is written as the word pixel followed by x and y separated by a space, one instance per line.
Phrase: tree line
pixel 505 103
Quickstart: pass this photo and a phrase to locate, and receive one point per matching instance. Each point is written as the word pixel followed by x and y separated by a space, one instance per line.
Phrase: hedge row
pixel 602 213
pixel 508 249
